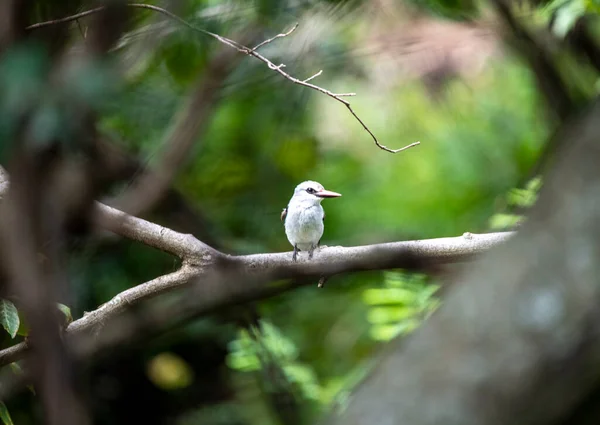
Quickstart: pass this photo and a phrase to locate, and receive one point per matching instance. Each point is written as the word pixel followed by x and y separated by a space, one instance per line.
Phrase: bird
pixel 304 217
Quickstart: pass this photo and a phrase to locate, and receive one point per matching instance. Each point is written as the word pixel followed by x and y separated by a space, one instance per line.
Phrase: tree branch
pixel 184 246
pixel 174 210
pixel 202 262
pixel 223 279
pixel 247 51
pixel 218 275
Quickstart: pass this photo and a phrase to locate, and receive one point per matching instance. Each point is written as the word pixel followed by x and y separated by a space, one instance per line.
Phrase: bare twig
pixel 313 76
pixel 267 41
pixel 66 19
pixel 247 51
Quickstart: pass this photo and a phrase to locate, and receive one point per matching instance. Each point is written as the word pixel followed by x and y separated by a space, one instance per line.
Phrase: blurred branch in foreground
pixel 49 199
pixel 519 340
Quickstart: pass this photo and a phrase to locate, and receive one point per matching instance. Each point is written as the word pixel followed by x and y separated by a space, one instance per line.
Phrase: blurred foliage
pixel 267 135
pixel 249 353
pixel 520 199
pixel 400 306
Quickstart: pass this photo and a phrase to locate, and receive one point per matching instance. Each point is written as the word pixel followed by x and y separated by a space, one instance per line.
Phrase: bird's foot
pixel 311 251
pixel 295 255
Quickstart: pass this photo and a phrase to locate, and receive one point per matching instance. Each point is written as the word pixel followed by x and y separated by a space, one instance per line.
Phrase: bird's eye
pixel 311 190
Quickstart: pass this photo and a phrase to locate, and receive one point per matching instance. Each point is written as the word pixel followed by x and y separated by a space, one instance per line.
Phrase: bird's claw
pixel 295 255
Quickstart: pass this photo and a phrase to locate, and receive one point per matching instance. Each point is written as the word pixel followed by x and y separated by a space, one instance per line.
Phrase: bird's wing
pixel 323 216
pixel 283 214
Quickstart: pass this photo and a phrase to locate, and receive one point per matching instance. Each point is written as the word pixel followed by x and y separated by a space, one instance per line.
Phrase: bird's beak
pixel 327 194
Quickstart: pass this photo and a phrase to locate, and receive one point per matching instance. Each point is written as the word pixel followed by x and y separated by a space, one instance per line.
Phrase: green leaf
pixel 4 415
pixel 9 317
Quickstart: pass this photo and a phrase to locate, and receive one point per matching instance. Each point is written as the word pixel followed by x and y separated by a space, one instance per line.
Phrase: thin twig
pixel 245 50
pixel 314 76
pixel 284 34
pixel 66 19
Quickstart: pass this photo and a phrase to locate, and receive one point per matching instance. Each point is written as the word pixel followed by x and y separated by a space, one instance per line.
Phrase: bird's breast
pixel 304 225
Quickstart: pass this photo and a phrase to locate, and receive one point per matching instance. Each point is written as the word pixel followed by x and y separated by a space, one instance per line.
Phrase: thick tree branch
pixel 175 210
pixel 218 272
pixel 218 276
pixel 184 246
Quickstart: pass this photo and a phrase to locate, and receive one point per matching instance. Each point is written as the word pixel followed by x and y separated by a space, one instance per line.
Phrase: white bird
pixel 304 217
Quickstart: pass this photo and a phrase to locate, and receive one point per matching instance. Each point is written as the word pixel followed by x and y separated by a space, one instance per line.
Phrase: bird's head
pixel 310 191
